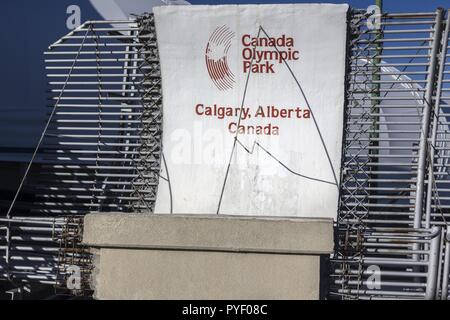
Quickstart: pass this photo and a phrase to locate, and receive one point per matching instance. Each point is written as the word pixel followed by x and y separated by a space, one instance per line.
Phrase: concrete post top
pixel 210 233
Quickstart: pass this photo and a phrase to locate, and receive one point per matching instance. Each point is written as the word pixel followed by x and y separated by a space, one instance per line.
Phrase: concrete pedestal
pixel 207 257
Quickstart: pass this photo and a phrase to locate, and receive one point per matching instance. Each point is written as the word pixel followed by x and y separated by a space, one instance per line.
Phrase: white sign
pixel 253 100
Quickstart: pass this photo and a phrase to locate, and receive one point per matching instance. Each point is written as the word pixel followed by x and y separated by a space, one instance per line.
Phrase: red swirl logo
pixel 217 58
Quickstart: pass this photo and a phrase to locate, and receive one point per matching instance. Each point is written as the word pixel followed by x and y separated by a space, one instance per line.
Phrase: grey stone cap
pixel 209 233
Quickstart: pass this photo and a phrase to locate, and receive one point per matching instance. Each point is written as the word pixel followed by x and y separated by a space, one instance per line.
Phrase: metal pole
pixel 433 264
pixel 376 77
pixel 440 262
pixel 379 4
pixel 437 104
pixel 425 126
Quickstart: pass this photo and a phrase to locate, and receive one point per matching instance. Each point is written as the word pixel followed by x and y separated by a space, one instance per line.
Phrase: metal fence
pixel 394 200
pixel 101 151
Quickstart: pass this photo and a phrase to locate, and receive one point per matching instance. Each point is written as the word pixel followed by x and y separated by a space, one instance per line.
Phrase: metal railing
pixel 100 150
pixel 389 229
